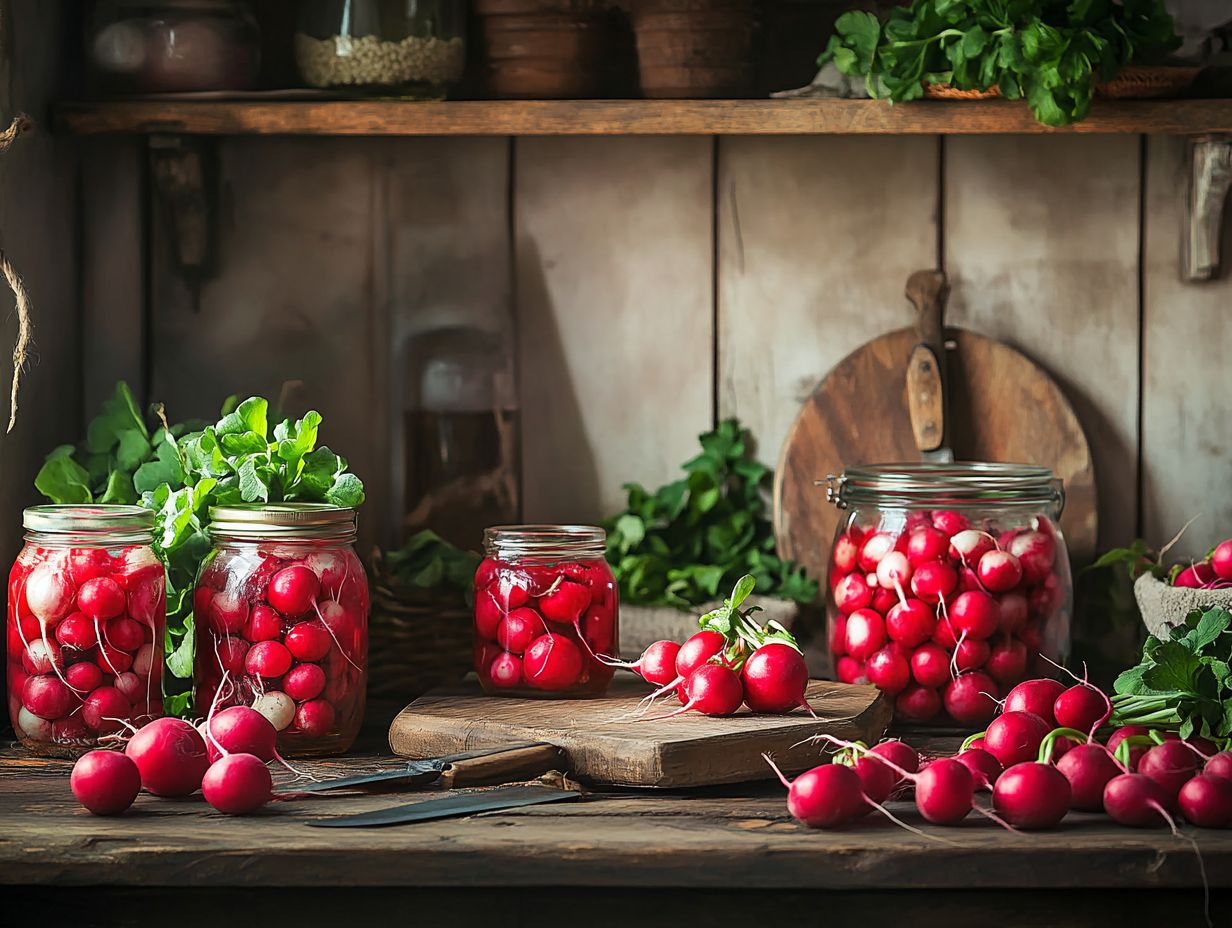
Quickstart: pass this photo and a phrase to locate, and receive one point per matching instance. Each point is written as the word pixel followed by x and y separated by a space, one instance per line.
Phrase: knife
pixel 504 797
pixel 514 761
pixel 926 374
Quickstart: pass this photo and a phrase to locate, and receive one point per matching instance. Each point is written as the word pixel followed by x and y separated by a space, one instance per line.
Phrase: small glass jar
pixel 406 47
pixel 545 612
pixel 948 584
pixel 174 46
pixel 281 621
pixel 86 620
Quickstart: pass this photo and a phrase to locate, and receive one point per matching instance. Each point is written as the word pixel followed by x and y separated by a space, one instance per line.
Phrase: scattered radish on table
pixel 105 782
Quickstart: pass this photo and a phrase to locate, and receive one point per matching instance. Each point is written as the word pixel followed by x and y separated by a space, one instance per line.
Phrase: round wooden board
pixel 1001 407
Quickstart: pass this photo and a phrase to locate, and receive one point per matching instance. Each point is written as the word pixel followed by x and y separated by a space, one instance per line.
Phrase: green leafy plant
pixel 428 562
pixel 1184 681
pixel 180 472
pixel 744 636
pixel 681 544
pixel 1048 52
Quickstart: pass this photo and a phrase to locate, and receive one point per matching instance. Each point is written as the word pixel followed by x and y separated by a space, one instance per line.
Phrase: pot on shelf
pixel 694 48
pixel 542 49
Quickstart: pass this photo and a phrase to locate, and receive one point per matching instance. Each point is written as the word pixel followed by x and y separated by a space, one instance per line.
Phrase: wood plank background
pixel 652 285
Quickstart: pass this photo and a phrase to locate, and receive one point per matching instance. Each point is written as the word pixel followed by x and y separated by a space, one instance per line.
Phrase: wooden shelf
pixel 627 117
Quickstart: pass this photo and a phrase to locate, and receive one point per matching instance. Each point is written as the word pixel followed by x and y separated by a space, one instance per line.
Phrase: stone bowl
pixel 1164 607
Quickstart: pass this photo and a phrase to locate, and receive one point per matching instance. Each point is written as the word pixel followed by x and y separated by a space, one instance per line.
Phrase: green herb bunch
pixel 683 543
pixel 180 472
pixel 1050 52
pixel 428 562
pixel 1184 681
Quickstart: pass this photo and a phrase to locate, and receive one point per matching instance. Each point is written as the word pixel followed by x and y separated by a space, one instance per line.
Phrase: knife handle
pixel 524 763
pixel 927 290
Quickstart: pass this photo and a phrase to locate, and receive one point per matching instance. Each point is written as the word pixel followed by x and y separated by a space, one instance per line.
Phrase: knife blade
pixel 538 758
pixel 926 369
pixel 504 797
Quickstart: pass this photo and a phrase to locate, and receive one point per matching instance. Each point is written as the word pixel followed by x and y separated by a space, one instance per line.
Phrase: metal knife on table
pixel 926 373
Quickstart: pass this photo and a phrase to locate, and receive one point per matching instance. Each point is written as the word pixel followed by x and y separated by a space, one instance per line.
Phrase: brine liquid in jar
pixel 546 615
pixel 86 621
pixel 281 620
pixel 948 585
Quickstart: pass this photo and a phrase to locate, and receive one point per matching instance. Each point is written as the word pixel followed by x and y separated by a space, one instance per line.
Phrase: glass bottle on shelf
pixel 461 434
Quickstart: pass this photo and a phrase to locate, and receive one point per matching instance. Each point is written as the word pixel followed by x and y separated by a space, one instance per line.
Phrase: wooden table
pixel 696 858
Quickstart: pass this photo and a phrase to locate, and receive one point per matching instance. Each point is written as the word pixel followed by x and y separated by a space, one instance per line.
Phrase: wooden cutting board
pixel 606 744
pixel 1000 406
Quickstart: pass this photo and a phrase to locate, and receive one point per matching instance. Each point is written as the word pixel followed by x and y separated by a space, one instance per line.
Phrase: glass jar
pixel 948 584
pixel 87 616
pixel 281 621
pixel 545 612
pixel 399 46
pixel 174 46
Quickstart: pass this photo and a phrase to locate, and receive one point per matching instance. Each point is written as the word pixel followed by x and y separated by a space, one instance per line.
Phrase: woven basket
pixel 946 92
pixel 1142 82
pixel 415 641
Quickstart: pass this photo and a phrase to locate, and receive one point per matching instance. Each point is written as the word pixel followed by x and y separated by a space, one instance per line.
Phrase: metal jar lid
pixel 963 484
pixel 283 521
pixel 88 524
pixel 544 541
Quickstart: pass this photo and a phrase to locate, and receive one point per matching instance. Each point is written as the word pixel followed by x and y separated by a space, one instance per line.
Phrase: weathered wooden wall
pixel 652 285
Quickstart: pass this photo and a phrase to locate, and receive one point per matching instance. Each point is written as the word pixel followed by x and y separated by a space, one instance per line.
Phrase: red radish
pixel 240 730
pixel 487 615
pixel 893 569
pixel 565 602
pixel 1219 765
pixel 698 649
pixel 552 662
pixel 84 676
pixel 304 681
pixel 775 678
pixel 49 593
pixel 130 686
pixel 48 698
pixel 1170 764
pixel 237 784
pixel 277 707
pixel 968 582
pixel 598 628
pixel 269 659
pixel 1089 768
pixel 926 544
pixel 486 573
pixel 1129 731
pixel 101 598
pixel 1196 576
pixel 1035 552
pixel 113 659
pixel 657 664
pixel 852 593
pixel 69 729
pixel 143 660
pixel 888 670
pixel 874 549
pixel 1082 707
pixel 293 590
pixel 950 523
pixel 970 698
pixel 230 654
pixel 1031 795
pixel 1014 612
pixel 1015 737
pixel 877 779
pixel 898 754
pixel 228 612
pixel 711 689
pixel 846 554
pixel 1044 598
pixel 105 782
pixel 24 629
pixel 1036 696
pixel 865 633
pixel 911 622
pixel 1007 661
pixel 519 628
pixel 264 624
pixel 171 756
pixel 969 546
pixel 918 703
pixel 945 791
pixel 829 796
pixel 838 636
pixel 1135 800
pixel 999 571
pixel 1206 801
pixel 970 654
pixel 105 710
pixel 87 563
pixel 40 657
pixel 505 670
pixel 331 568
pixel 1221 560
pixel 124 634
pixel 77 631
pixel 33 726
pixel 315 717
pixel 850 670
pixel 930 665
pixel 975 614
pixel 510 591
pixel 983 766
pixel 309 641
pixel 933 581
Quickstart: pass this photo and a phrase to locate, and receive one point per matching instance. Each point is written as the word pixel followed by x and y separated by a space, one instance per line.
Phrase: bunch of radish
pixel 226 758
pixel 1214 572
pixel 289 627
pixel 937 612
pixel 85 654
pixel 729 663
pixel 545 628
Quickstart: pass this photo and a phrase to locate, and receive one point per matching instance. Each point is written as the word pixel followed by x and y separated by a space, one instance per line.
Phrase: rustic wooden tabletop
pixel 722 848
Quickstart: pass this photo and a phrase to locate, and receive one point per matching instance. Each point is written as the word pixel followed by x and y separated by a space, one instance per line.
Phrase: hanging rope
pixel 21 123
